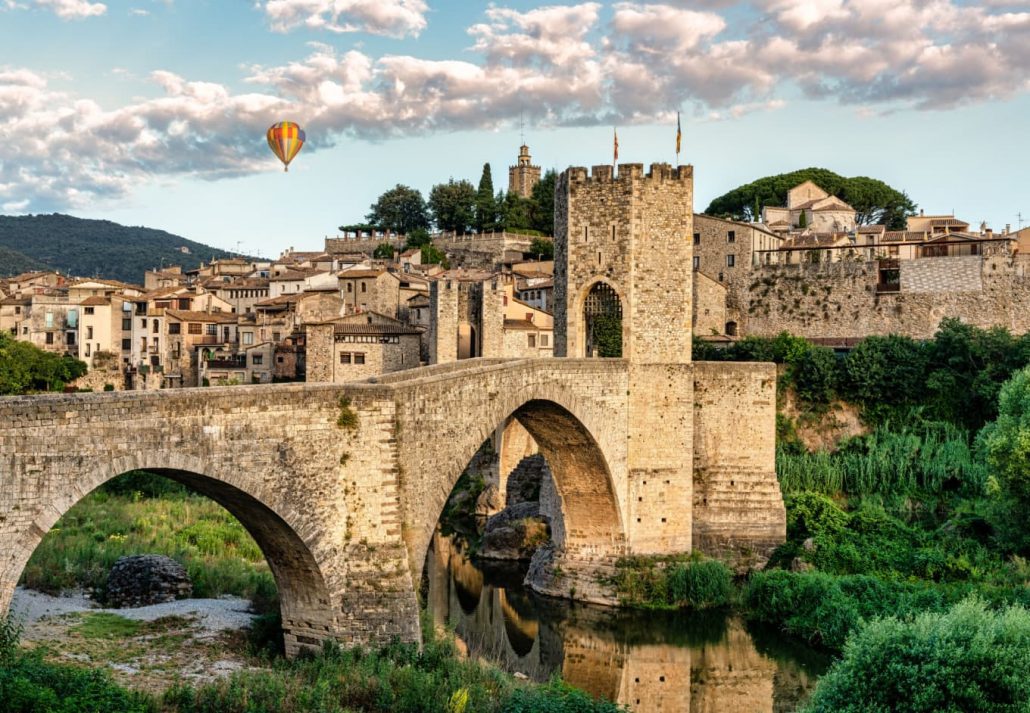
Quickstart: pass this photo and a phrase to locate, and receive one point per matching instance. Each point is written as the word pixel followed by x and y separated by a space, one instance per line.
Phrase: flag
pixel 679 134
pixel 616 147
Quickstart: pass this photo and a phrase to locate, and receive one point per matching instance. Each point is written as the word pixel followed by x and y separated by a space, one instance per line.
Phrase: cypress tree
pixel 486 205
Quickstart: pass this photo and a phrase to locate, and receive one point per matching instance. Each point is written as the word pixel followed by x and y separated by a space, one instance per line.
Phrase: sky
pixel 154 112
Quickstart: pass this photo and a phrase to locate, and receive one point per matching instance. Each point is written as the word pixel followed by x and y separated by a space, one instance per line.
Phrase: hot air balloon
pixel 285 140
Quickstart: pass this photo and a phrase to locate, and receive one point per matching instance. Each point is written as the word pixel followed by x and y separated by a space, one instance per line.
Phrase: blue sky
pixel 152 112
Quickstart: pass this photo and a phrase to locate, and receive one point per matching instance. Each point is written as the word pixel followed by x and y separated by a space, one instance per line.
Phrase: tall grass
pixel 672 582
pixel 219 554
pixel 931 458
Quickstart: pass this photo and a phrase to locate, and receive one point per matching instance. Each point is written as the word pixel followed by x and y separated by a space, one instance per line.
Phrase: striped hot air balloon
pixel 285 140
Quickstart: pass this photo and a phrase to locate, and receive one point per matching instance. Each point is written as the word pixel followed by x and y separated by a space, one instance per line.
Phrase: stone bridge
pixel 342 485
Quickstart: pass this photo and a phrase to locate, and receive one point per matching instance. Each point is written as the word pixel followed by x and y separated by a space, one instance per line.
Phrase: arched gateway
pixel 343 485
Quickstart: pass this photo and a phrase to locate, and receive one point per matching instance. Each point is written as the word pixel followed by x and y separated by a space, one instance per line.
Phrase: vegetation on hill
pixel 874 200
pixel 95 248
pixel 13 262
pixel 26 369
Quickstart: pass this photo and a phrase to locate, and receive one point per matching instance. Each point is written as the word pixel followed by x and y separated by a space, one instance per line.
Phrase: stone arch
pixel 582 320
pixel 305 602
pixel 592 515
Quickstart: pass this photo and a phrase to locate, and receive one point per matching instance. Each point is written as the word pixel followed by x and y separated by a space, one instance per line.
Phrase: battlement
pixel 628 173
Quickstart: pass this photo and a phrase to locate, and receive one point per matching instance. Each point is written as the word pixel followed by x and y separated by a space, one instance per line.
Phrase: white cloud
pixel 559 64
pixel 73 9
pixel 393 18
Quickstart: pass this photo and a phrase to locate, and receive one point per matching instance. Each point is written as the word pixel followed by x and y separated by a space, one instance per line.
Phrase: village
pixel 368 303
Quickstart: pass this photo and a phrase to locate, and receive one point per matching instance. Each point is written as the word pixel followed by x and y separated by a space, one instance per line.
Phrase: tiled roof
pixel 190 316
pixel 374 329
pixel 96 300
pixel 360 274
pixel 871 228
pixel 524 324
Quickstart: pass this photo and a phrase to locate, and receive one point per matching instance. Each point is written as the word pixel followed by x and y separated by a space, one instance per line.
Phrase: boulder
pixel 489 502
pixel 515 533
pixel 141 580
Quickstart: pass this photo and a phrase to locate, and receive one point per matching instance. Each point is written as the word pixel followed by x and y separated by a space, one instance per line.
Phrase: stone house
pixel 105 327
pixel 359 346
pixel 241 294
pixel 375 290
pixel 171 276
pixel 809 204
pixel 725 251
pixel 30 283
pixel 528 330
pixel 188 338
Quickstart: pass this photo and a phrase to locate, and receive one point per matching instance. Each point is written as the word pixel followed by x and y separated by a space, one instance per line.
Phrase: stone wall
pixel 709 306
pixel 840 299
pixel 737 503
pixel 443 322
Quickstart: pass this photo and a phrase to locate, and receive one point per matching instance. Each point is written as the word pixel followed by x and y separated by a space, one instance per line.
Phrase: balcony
pixel 226 363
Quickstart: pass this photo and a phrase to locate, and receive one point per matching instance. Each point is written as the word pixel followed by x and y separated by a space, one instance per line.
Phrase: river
pixel 649 661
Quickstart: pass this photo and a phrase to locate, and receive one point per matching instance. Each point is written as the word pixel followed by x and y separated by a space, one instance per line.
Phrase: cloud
pixel 392 18
pixel 567 65
pixel 73 9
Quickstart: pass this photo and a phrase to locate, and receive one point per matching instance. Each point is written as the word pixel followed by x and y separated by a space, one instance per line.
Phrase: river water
pixel 649 661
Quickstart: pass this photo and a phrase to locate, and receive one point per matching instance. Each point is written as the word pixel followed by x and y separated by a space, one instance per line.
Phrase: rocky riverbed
pixel 148 648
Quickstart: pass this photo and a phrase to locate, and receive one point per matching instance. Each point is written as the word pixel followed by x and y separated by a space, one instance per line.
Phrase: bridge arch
pixel 571 434
pixel 304 600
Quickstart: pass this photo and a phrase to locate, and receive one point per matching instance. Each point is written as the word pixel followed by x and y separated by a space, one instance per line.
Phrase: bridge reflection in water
pixel 649 661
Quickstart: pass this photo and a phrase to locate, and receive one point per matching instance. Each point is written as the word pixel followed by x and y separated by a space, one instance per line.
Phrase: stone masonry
pixel 342 486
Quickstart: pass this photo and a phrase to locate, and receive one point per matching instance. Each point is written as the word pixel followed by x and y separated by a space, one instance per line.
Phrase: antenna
pixel 1019 218
pixel 522 126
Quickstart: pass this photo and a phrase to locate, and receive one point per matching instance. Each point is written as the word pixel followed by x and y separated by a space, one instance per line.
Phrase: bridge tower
pixel 622 288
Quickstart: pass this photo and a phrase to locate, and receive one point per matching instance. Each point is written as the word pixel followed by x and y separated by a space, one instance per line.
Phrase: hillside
pixel 99 248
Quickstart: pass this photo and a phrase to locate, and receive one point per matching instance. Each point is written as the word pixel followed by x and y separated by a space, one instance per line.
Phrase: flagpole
pixel 679 136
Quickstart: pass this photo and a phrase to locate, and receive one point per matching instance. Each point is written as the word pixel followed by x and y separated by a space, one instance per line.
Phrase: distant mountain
pixel 93 248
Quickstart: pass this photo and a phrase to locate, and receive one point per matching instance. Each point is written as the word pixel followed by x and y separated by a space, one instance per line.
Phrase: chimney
pixel 920 212
pixel 1008 227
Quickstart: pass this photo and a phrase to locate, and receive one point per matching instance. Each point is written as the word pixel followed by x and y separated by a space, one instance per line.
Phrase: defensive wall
pixel 846 299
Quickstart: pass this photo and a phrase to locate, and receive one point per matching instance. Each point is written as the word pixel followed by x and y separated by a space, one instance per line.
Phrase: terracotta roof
pixel 524 324
pixel 25 276
pixel 281 300
pixel 190 316
pixel 374 329
pixel 422 298
pixel 938 222
pixel 294 274
pixel 96 300
pixel 871 228
pixel 250 283
pixel 16 301
pixel 109 283
pixel 360 274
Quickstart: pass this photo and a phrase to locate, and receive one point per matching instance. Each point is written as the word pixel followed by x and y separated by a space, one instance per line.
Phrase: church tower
pixel 523 176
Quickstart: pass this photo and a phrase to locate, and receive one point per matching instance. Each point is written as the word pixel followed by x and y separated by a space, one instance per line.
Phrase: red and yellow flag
pixel 615 151
pixel 679 136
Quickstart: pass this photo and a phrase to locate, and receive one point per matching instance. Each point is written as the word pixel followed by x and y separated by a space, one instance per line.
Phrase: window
pixel 126 325
pixel 143 323
pixel 345 357
pixel 17 309
pixel 49 337
pixel 350 287
pixel 544 340
pixel 532 341
pixel 275 337
pixel 70 339
pixel 257 359
pixel 359 357
pixel 731 236
pixel 248 338
pixel 87 348
pixel 212 330
pixel 174 328
pixel 697 238
pixel 156 326
pixel 731 260
pixel 89 310
pixel 89 332
pixel 126 345
pixel 278 360
pixel 697 263
pixel 49 322
pixel 195 328
pixel 184 304
pixel 364 287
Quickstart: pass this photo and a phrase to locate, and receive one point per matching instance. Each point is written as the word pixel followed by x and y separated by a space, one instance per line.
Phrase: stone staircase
pixel 738 511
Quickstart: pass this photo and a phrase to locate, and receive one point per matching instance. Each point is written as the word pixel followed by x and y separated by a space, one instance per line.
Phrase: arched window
pixel 602 317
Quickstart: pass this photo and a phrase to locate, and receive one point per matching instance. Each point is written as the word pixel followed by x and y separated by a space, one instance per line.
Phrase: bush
pixel 967 659
pixel 672 582
pixel 810 514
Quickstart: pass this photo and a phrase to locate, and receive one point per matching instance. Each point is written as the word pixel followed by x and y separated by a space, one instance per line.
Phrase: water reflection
pixel 649 661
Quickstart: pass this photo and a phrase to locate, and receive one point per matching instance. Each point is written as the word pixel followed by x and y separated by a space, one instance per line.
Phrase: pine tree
pixel 486 205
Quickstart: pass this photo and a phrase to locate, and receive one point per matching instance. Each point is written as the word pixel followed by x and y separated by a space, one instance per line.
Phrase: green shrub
pixel 810 514
pixel 672 582
pixel 967 659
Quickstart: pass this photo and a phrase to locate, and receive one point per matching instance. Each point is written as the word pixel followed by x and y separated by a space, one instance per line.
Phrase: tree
pixel 1006 441
pixel 383 251
pixel 432 255
pixel 803 219
pixel 541 204
pixel 542 248
pixel 25 368
pixel 400 209
pixel 418 238
pixel 874 201
pixel 453 205
pixel 514 210
pixel 486 205
pixel 969 658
